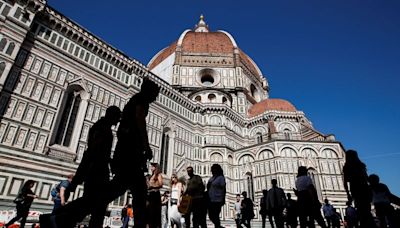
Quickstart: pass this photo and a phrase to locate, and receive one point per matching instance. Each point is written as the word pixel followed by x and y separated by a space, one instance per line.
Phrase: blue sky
pixel 338 61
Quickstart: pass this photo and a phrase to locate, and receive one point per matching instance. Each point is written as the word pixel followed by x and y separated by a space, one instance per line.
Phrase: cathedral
pixel 57 79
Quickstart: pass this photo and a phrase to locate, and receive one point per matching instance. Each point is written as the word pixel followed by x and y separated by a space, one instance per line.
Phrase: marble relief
pixel 11 106
pixel 36 66
pixel 10 135
pixel 29 62
pixel 55 97
pixel 21 137
pixel 19 110
pixel 54 73
pixel 46 94
pixel 31 140
pixel 38 90
pixel 21 81
pixel 29 114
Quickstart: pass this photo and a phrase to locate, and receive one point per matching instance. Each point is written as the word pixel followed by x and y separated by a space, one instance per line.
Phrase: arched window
pixel 10 48
pixel 216 157
pixel 164 151
pixel 198 98
pixel 211 97
pixel 3 43
pixel 286 132
pixel 259 137
pixel 2 67
pixel 68 118
pixel 250 185
pixel 315 178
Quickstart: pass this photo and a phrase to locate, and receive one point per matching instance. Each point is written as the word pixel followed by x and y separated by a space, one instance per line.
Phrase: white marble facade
pixel 57 79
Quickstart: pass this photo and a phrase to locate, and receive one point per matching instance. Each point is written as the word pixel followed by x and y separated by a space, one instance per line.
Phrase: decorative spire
pixel 201 26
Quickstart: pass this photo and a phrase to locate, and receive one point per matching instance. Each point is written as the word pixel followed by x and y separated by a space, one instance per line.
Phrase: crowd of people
pixel 362 191
pixel 192 198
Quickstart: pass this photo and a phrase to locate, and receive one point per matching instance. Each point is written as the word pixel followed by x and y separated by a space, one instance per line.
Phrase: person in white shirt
pixel 237 211
pixel 176 191
pixel 307 200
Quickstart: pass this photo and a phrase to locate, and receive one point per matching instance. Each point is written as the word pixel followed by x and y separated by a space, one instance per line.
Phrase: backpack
pixel 55 190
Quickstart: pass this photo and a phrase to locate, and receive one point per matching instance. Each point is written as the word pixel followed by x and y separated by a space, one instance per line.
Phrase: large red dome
pixel 201 41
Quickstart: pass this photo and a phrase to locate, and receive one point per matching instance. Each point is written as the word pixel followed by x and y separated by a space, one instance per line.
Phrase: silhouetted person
pixel 263 208
pixel 276 201
pixel 291 212
pixel 94 172
pixel 307 200
pixel 247 210
pixel 351 216
pixel 124 216
pixel 24 201
pixel 327 209
pixel 133 150
pixel 355 175
pixel 336 218
pixel 216 188
pixel 382 199
pixel 195 188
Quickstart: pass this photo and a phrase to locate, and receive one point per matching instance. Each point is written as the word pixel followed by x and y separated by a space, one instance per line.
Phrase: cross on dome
pixel 201 25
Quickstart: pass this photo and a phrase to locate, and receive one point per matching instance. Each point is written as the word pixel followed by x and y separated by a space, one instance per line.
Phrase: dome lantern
pixel 201 25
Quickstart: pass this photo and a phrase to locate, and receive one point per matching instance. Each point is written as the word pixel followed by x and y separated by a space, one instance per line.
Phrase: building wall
pixel 54 59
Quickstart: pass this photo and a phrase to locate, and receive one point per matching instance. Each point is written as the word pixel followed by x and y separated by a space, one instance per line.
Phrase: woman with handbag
pixel 216 188
pixel 24 201
pixel 176 192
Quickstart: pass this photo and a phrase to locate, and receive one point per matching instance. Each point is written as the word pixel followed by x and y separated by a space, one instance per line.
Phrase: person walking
pixel 247 209
pixel 195 189
pixel 291 212
pixel 164 209
pixel 154 197
pixel 216 188
pixel 382 199
pixel 263 209
pixel 327 209
pixel 124 216
pixel 176 192
pixel 351 216
pixel 276 202
pixel 94 172
pixel 61 193
pixel 355 180
pixel 24 201
pixel 237 211
pixel 132 152
pixel 307 200
pixel 336 218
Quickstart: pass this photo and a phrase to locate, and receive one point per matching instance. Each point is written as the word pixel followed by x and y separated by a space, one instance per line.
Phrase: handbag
pixel 19 199
pixel 185 204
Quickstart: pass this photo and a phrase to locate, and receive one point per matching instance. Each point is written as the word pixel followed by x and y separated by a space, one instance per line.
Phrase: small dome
pixel 271 105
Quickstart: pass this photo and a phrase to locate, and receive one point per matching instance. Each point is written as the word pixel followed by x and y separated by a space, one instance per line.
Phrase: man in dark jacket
pixel 247 210
pixel 276 202
pixel 133 150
